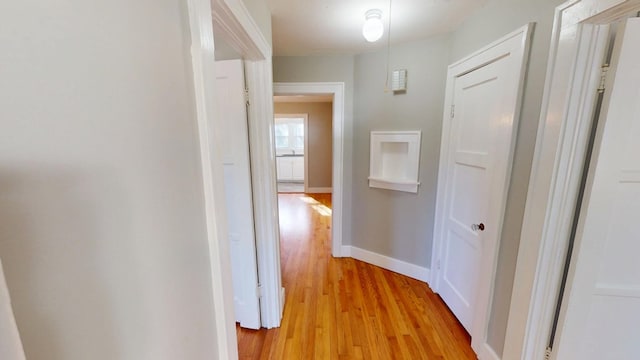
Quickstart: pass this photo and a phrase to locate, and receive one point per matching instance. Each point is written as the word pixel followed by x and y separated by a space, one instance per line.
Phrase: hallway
pixel 341 308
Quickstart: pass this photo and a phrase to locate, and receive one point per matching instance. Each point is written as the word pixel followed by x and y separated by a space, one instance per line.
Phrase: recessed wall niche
pixel 394 160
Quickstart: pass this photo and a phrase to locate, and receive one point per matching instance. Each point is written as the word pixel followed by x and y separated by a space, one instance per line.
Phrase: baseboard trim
pixel 487 353
pixel 389 263
pixel 319 190
pixel 282 298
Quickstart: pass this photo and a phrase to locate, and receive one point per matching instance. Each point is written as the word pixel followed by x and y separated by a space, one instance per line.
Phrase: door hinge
pixel 246 96
pixel 547 353
pixel 259 291
pixel 453 111
pixel 603 78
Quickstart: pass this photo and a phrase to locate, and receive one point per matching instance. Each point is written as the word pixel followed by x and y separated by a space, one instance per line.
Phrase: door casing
pixel 233 21
pixel 599 308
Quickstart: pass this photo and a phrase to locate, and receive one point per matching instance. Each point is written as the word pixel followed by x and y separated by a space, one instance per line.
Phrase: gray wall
pixel 494 20
pixel 102 228
pixel 332 68
pixel 319 139
pixel 393 223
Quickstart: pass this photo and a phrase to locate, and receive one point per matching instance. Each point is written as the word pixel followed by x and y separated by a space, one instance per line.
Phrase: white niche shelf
pixel 394 160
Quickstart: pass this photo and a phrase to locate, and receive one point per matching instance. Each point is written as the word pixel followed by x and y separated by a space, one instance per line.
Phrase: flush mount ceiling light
pixel 373 28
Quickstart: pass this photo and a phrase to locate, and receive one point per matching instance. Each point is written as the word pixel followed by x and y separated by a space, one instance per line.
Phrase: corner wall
pixel 102 228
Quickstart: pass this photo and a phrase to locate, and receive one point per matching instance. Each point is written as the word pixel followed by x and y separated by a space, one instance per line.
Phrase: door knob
pixel 476 227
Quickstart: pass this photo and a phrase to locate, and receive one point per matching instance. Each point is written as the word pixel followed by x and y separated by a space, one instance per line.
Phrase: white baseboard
pixel 281 301
pixel 487 353
pixel 319 190
pixel 395 265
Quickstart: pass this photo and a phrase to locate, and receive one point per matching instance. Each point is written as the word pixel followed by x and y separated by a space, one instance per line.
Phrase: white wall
pixel 102 230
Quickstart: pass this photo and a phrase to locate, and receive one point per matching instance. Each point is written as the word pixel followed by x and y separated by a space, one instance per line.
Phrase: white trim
pixel 487 353
pixel 234 23
pixel 515 45
pixel 572 75
pixel 406 186
pixel 282 297
pixel 319 190
pixel 401 267
pixel 203 67
pixel 337 89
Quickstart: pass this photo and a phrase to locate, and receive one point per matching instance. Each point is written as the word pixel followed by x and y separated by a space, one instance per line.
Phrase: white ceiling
pixel 308 27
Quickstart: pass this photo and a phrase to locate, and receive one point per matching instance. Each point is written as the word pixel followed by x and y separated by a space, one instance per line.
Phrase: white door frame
pixel 486 55
pixel 337 90
pixel 233 22
pixel 578 45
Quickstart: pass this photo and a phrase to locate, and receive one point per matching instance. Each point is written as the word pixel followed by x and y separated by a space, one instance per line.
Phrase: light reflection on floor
pixel 315 205
pixel 308 199
pixel 322 210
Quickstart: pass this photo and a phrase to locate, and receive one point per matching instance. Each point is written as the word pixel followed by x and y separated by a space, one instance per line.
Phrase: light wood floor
pixel 345 308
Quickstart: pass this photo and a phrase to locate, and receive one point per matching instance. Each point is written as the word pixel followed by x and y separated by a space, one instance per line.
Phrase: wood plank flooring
pixel 347 309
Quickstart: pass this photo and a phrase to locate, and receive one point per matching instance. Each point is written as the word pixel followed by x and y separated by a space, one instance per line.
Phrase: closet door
pixel 602 305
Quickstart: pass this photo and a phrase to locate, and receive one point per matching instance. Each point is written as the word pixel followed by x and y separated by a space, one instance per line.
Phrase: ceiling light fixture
pixel 373 28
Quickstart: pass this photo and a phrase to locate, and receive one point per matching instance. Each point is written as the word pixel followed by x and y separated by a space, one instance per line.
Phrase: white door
pixel 237 183
pixel 475 166
pixel 602 302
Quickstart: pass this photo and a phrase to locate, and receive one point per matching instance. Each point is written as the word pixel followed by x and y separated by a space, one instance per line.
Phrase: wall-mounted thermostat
pixel 399 80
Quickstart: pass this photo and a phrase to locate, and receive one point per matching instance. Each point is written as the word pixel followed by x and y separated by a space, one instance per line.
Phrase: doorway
pixel 303 143
pixel 334 91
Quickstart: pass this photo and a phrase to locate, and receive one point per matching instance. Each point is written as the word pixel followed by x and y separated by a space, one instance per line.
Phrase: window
pixel 289 135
